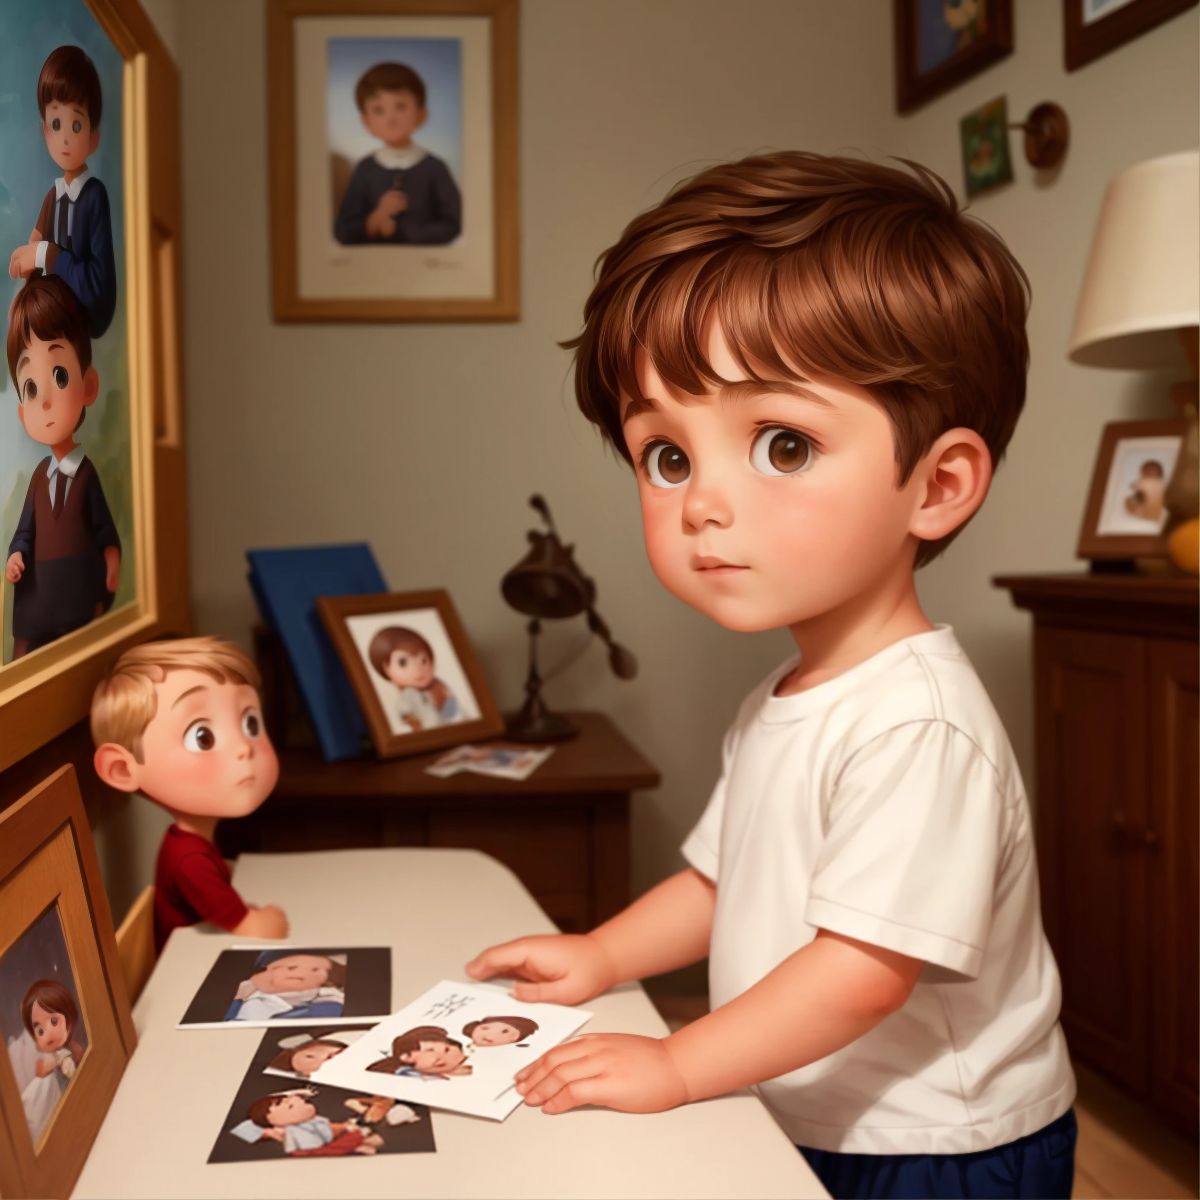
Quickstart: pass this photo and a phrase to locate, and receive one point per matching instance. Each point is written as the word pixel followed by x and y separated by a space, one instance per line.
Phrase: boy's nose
pixel 706 503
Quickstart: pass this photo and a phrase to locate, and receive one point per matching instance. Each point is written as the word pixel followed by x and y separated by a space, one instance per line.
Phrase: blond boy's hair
pixel 125 702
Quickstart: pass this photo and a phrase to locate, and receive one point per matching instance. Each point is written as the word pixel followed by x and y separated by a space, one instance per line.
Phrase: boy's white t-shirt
pixel 886 805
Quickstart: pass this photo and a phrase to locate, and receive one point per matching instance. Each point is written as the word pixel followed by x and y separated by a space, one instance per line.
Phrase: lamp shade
pixel 1142 282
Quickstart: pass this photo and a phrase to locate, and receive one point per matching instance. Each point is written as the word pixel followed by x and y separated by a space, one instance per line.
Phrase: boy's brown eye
pixel 30 390
pixel 76 126
pixel 780 451
pixel 666 465
pixel 61 377
pixel 56 124
pixel 199 737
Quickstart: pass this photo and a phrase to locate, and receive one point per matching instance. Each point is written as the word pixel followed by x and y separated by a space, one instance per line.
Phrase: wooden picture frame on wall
pixel 372 221
pixel 46 691
pixel 64 1010
pixel 1125 516
pixel 381 641
pixel 1093 28
pixel 939 46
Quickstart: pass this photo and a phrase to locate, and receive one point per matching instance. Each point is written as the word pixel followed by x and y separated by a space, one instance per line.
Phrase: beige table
pixel 435 908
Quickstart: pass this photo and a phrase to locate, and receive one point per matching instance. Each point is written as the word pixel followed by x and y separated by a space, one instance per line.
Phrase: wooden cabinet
pixel 1115 682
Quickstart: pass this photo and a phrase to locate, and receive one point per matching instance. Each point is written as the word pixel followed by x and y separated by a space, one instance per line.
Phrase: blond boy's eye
pixel 199 737
pixel 780 451
pixel 251 725
pixel 666 465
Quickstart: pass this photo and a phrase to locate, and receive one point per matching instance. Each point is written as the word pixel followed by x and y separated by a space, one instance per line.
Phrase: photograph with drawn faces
pixel 41 1020
pixel 272 1118
pixel 66 489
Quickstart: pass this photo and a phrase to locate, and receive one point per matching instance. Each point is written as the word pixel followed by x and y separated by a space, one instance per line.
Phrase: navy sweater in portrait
pixel 434 213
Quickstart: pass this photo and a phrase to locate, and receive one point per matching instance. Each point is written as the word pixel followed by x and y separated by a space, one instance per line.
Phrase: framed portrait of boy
pixel 393 159
pixel 92 489
pixel 1126 515
pixel 64 1010
pixel 941 43
pixel 412 668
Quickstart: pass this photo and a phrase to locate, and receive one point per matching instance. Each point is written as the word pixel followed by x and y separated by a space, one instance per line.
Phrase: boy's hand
pixel 564 968
pixel 15 567
pixel 268 921
pixel 392 201
pixel 112 569
pixel 380 227
pixel 23 262
pixel 612 1070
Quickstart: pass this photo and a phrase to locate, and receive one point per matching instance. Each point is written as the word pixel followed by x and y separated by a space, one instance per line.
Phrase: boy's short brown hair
pixel 388 77
pixel 124 703
pixel 46 308
pixel 814 267
pixel 392 638
pixel 70 77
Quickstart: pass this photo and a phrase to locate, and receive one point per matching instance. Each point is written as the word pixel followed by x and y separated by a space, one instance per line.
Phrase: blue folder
pixel 286 583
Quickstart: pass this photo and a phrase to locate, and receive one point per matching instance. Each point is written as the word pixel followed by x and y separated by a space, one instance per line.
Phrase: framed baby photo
pixel 64 1010
pixel 393 159
pixel 1126 513
pixel 93 546
pixel 941 43
pixel 412 668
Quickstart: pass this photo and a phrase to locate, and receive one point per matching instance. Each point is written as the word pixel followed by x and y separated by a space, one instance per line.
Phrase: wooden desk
pixel 564 831
pixel 435 908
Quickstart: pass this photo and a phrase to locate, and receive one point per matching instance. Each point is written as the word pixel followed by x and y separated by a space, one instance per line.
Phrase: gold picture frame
pixel 464 53
pixel 56 928
pixel 400 721
pixel 48 690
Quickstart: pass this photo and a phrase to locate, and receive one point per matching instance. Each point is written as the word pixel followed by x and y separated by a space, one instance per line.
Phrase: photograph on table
pixel 65 1021
pixel 296 1055
pixel 457 1047
pixel 416 677
pixel 393 172
pixel 293 985
pixel 1126 515
pixel 67 457
pixel 274 1118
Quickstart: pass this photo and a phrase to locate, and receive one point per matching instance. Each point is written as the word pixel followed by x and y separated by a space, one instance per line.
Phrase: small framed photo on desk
pixel 416 677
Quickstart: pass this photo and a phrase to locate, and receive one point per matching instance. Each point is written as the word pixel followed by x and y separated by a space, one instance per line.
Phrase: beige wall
pixel 426 439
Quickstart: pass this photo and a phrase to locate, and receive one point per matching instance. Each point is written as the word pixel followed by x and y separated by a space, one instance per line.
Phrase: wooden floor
pixel 1123 1153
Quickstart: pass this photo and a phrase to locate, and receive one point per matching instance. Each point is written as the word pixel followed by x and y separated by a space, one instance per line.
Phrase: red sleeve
pixel 203 885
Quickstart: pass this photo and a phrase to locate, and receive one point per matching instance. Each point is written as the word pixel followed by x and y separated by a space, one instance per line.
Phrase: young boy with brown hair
pixel 181 723
pixel 64 560
pixel 400 194
pixel 72 237
pixel 814 364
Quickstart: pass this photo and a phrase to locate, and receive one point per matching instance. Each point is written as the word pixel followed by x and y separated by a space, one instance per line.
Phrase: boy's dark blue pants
pixel 1039 1166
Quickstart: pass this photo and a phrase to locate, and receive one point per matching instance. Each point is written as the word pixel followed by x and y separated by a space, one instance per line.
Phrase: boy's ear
pixel 91 386
pixel 117 767
pixel 957 471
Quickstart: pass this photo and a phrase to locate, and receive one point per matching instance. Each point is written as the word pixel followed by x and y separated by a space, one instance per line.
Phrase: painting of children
pixel 287 985
pixel 405 659
pixel 62 230
pixel 40 1016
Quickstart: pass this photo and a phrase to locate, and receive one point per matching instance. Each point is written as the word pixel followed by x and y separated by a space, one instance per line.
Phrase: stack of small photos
pixel 336 1075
